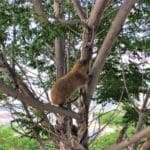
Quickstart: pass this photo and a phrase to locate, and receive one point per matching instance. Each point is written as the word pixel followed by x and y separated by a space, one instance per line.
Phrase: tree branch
pixel 57 8
pixel 19 84
pixel 35 103
pixel 89 33
pixel 134 138
pixel 59 43
pixel 108 42
pixel 72 22
pixel 79 10
pixel 125 85
pixel 96 12
pixel 38 8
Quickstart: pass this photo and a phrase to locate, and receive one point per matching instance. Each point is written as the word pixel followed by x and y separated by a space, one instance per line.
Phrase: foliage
pixel 104 142
pixel 128 116
pixel 30 128
pixel 11 141
pixel 131 116
pixel 111 82
pixel 29 46
pixel 30 40
pixel 133 43
pixel 116 118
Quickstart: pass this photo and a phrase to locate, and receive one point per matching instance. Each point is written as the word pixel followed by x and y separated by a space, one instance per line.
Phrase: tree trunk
pixel 59 56
pixel 67 139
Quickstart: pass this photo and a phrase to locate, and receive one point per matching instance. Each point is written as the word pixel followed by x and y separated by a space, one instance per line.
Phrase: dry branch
pixel 134 138
pixel 57 8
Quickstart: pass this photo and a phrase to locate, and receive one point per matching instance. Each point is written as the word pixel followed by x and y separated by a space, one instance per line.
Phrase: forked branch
pixel 108 42
pixel 96 12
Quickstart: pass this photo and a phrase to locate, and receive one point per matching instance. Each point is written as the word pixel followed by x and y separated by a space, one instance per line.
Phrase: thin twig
pixel 111 118
pixel 125 84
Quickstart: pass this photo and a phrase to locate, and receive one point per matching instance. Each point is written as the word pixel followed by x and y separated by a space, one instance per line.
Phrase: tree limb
pixel 35 103
pixel 108 42
pixel 96 12
pixel 89 33
pixel 134 138
pixel 17 81
pixel 59 43
pixel 38 8
pixel 72 22
pixel 79 10
pixel 57 8
pixel 125 86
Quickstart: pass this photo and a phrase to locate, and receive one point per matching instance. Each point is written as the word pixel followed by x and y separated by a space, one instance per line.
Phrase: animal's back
pixel 146 146
pixel 63 88
pixel 66 85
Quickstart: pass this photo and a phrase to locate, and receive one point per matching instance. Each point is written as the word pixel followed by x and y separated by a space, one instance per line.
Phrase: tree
pixel 44 36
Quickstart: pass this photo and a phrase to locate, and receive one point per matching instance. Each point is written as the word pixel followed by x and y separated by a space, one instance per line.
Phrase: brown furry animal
pixel 146 146
pixel 73 80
